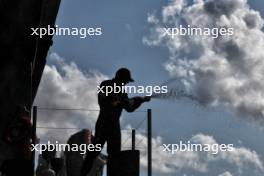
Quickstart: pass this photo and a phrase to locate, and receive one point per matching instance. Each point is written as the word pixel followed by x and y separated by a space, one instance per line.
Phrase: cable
pixel 73 109
pixel 67 109
pixel 137 127
pixel 59 128
pixel 140 123
pixel 139 143
pixel 83 109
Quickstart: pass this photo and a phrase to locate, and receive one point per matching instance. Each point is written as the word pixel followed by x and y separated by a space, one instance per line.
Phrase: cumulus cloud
pixel 240 159
pixel 228 70
pixel 226 174
pixel 63 86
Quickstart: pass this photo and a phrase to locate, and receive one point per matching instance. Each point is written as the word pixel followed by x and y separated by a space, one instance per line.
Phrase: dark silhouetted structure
pixel 23 58
pixel 124 163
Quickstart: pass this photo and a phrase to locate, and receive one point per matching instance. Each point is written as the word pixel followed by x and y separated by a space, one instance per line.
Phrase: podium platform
pixel 125 163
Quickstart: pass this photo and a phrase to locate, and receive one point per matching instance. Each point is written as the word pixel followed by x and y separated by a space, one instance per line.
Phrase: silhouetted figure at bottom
pixel 107 128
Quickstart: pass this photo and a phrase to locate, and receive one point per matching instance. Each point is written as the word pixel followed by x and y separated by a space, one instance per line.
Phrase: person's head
pixel 123 75
pixel 21 110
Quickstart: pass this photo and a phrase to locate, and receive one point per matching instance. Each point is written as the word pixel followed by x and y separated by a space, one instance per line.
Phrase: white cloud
pixel 64 85
pixel 241 159
pixel 226 174
pixel 227 70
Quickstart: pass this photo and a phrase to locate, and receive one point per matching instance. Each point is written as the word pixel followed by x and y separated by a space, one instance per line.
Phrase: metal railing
pixel 128 135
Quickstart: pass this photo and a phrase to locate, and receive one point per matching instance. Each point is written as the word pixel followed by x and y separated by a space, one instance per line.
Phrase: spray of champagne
pixel 174 93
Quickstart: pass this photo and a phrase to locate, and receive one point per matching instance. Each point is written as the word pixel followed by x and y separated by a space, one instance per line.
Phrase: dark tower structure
pixel 23 58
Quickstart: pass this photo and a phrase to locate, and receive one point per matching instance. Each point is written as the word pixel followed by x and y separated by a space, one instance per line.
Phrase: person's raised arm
pixel 131 104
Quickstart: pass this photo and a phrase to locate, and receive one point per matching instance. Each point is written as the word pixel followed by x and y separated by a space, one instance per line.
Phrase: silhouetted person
pixel 107 128
pixel 18 136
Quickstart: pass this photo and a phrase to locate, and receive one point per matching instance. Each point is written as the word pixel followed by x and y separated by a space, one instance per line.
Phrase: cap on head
pixel 123 74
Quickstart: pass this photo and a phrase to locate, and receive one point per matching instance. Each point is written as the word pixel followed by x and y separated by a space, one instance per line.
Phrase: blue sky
pixel 124 24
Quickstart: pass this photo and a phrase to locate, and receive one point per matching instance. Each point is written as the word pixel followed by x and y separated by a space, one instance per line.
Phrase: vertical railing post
pixel 149 142
pixel 133 139
pixel 34 135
